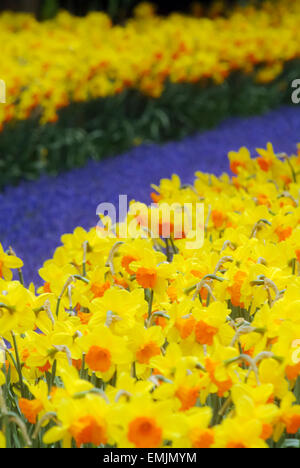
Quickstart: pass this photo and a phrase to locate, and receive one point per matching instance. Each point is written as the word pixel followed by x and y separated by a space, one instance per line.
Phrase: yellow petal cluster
pixel 48 65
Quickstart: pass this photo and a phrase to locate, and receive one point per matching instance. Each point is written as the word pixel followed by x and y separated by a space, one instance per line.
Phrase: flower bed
pixel 99 89
pixel 134 341
pixel 36 214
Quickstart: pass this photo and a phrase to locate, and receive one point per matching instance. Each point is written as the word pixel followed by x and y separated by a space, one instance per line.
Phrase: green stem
pixel 53 373
pixel 21 277
pixel 94 379
pixel 175 249
pixel 18 362
pixel 82 370
pixel 57 306
pixel 292 170
pixel 168 250
pixel 150 304
pixel 81 278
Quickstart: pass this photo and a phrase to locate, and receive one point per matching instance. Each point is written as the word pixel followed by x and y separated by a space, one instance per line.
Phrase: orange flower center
pixel 292 372
pixel 202 438
pixel 25 354
pixel 145 353
pixel 77 363
pixel 45 368
pixel 264 164
pixel 287 180
pixel 47 288
pixel 143 432
pixel 155 197
pixel 126 260
pixel 98 359
pixel 266 432
pixel 30 409
pixel 283 233
pixel 187 396
pixel 84 317
pixel 234 166
pixel 218 218
pixel 99 289
pixel 205 333
pixel 235 289
pixel 146 277
pixel 292 423
pixel 88 430
pixel 197 273
pixel 262 199
pixel 185 326
pixel 120 282
pixel 161 322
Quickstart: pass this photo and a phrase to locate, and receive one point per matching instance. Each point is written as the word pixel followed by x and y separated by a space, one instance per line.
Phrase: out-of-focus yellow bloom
pixel 142 423
pixel 85 420
pixel 47 65
pixel 237 433
pixel 104 351
pixel 15 311
pixel 7 263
